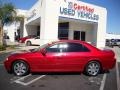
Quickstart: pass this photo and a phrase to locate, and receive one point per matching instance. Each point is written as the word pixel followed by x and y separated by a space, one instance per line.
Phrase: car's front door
pixel 53 56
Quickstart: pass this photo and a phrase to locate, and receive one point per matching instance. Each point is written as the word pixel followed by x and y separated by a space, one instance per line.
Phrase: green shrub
pixel 11 46
pixel 2 48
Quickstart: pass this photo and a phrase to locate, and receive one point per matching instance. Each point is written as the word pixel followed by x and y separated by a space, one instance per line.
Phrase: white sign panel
pixel 78 10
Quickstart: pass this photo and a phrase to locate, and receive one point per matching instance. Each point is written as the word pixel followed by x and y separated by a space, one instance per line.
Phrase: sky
pixel 112 6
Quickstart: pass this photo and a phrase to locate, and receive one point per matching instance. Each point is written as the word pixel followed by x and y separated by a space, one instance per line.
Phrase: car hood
pixel 20 52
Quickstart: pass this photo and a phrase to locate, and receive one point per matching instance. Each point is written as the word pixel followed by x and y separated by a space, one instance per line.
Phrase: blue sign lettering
pixel 66 11
pixel 88 15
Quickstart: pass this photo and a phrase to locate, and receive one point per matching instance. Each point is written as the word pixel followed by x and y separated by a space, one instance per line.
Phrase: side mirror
pixel 43 51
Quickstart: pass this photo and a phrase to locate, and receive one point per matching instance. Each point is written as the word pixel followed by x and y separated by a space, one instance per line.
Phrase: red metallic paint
pixel 23 39
pixel 63 62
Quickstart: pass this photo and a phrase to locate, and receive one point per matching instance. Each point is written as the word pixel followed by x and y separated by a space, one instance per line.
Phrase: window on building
pixel 38 30
pixel 63 29
pixel 79 35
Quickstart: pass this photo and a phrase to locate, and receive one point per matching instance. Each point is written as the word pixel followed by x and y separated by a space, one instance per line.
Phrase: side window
pixel 85 49
pixel 75 47
pixel 53 48
pixel 61 47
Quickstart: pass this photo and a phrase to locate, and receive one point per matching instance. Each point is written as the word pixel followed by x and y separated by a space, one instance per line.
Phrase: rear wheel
pixel 28 43
pixel 93 68
pixel 20 68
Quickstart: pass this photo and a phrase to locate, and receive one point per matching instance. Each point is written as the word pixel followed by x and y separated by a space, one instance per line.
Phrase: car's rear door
pixel 74 56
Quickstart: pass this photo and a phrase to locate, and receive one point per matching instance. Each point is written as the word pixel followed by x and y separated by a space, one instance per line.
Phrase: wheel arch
pixel 23 60
pixel 94 60
pixel 28 41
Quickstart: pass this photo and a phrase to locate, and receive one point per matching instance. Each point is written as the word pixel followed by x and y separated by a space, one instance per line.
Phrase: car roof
pixel 76 41
pixel 72 41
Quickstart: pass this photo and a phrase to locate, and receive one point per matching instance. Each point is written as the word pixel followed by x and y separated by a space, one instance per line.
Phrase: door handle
pixel 59 57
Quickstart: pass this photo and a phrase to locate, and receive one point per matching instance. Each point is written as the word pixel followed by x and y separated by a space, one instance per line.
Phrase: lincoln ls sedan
pixel 61 56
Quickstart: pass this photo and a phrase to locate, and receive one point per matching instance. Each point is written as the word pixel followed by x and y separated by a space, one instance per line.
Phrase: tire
pixel 28 43
pixel 20 68
pixel 93 68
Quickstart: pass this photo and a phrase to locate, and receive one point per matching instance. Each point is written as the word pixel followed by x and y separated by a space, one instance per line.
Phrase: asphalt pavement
pixel 60 81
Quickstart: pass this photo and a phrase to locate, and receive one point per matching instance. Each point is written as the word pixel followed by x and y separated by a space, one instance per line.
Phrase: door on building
pixel 82 36
pixel 38 30
pixel 63 29
pixel 76 35
pixel 79 35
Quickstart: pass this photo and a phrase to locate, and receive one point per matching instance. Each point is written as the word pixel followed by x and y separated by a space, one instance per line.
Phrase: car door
pixel 74 57
pixel 53 56
pixel 47 58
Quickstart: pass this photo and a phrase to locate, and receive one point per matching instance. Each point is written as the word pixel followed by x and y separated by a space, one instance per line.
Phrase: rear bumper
pixel 114 63
pixel 109 64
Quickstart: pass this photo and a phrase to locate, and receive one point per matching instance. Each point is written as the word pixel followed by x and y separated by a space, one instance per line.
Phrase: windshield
pixel 43 46
pixel 38 49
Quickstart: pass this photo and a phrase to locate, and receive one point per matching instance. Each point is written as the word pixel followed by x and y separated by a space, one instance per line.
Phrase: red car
pixel 23 39
pixel 61 56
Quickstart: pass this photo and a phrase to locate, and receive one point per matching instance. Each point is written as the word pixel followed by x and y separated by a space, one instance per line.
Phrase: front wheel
pixel 20 68
pixel 93 68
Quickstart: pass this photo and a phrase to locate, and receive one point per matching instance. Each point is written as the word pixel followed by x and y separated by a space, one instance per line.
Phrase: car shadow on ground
pixel 66 73
pixel 56 73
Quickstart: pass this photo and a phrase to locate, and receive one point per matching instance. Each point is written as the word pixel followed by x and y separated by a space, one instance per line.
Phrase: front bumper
pixel 7 65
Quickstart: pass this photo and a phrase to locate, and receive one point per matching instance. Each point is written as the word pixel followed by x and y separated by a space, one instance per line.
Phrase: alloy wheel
pixel 20 68
pixel 93 68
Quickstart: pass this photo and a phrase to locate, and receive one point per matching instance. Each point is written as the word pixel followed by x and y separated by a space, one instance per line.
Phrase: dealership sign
pixel 78 11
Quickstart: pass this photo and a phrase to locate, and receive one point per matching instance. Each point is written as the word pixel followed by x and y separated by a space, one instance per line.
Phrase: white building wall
pixel 49 21
pixel 25 33
pixel 31 15
pixel 101 29
pixel 77 26
pixel 9 30
pixel 34 12
pixel 94 34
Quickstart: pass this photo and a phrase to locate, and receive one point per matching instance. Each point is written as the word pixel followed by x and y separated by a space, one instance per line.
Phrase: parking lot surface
pixel 60 81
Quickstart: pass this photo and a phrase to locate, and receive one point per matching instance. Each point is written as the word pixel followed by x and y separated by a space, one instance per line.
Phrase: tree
pixel 20 19
pixel 7 16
